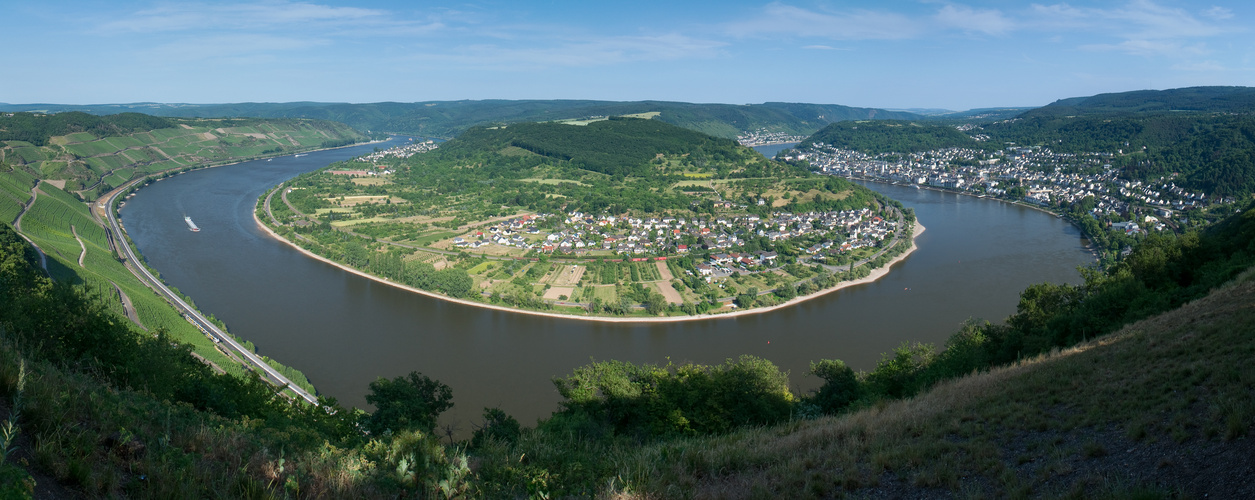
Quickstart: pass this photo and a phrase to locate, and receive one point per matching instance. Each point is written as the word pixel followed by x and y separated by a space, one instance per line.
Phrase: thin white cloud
pixel 1218 13
pixel 821 47
pixel 230 48
pixel 579 53
pixel 967 19
pixel 1200 66
pixel 193 16
pixel 1152 48
pixel 1139 27
pixel 778 18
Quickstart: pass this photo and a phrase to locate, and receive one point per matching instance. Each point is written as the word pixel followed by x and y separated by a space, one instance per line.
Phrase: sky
pixel 884 54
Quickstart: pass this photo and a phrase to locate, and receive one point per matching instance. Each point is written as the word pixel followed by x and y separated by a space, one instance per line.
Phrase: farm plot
pixel 568 275
pixel 94 148
pixel 30 154
pixel 103 164
pixel 17 184
pixel 664 272
pixel 79 137
pixel 669 292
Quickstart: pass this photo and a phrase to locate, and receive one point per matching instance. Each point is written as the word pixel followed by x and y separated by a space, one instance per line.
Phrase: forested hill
pixel 887 136
pixel 1213 153
pixel 38 128
pixel 1202 138
pixel 620 146
pixel 449 118
pixel 94 154
pixel 1194 99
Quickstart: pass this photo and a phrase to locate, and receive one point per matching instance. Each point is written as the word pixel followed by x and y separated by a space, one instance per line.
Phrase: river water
pixel 343 331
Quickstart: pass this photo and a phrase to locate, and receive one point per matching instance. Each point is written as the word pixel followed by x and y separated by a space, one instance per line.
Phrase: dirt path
pixel 83 254
pixel 17 226
pixel 128 307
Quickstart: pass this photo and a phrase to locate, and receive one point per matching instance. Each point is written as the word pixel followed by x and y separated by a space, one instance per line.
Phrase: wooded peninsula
pixel 624 218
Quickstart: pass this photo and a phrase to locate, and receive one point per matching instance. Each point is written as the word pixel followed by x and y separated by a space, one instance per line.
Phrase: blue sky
pixel 933 54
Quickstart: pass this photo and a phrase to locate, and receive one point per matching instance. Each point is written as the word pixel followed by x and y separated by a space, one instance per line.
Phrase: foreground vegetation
pixel 1069 390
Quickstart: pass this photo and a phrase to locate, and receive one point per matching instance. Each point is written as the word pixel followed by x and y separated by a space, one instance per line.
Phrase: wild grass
pixel 1183 377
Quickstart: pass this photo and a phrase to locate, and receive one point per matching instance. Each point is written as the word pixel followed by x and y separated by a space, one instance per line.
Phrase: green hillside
pixel 617 146
pixel 1189 99
pixel 89 155
pixel 94 154
pixel 1201 139
pixel 890 136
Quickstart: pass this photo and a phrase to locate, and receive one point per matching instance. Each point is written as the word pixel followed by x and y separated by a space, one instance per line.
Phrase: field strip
pixel 663 270
pixel 669 292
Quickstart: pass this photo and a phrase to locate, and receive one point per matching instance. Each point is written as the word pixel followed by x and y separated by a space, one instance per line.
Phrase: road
pixel 137 266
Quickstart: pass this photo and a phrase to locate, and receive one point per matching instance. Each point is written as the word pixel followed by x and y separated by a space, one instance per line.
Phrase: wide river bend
pixel 343 330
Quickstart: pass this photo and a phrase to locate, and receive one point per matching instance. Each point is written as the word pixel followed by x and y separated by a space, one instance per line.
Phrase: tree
pixel 656 304
pixel 407 402
pixel 841 385
pixel 497 426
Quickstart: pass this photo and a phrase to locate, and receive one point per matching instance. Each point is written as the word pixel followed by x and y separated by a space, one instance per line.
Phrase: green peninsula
pixel 624 217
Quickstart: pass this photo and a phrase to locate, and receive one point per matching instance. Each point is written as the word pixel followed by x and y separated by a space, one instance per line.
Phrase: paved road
pixel 136 266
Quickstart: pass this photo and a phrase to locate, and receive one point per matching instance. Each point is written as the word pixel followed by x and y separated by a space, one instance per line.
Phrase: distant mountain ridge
pixel 449 118
pixel 1196 99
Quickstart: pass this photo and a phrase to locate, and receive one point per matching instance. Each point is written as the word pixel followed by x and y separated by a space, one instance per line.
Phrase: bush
pixel 841 385
pixel 653 401
pixel 411 402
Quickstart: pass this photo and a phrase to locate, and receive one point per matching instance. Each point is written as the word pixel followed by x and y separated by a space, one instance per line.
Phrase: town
pixel 817 235
pixel 763 137
pixel 1035 174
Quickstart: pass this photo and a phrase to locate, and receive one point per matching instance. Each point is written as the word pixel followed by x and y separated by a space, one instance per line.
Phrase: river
pixel 343 331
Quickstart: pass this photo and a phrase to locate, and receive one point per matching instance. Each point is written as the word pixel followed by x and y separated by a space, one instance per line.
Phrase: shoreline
pixel 875 274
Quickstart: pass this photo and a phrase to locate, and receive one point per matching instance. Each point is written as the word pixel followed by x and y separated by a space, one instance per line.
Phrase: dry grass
pixel 372 181
pixel 1144 404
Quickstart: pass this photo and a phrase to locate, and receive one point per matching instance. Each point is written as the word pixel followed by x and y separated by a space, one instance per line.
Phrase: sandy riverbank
pixel 875 275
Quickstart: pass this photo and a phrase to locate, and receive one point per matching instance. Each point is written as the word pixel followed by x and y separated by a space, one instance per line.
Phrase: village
pixel 717 238
pixel 1041 176
pixel 763 137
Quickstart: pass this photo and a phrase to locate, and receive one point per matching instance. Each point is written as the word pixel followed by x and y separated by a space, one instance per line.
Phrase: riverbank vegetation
pixel 1074 389
pixel 618 217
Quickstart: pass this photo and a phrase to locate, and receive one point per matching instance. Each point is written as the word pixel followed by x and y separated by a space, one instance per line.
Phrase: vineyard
pixel 48 223
pixel 93 165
